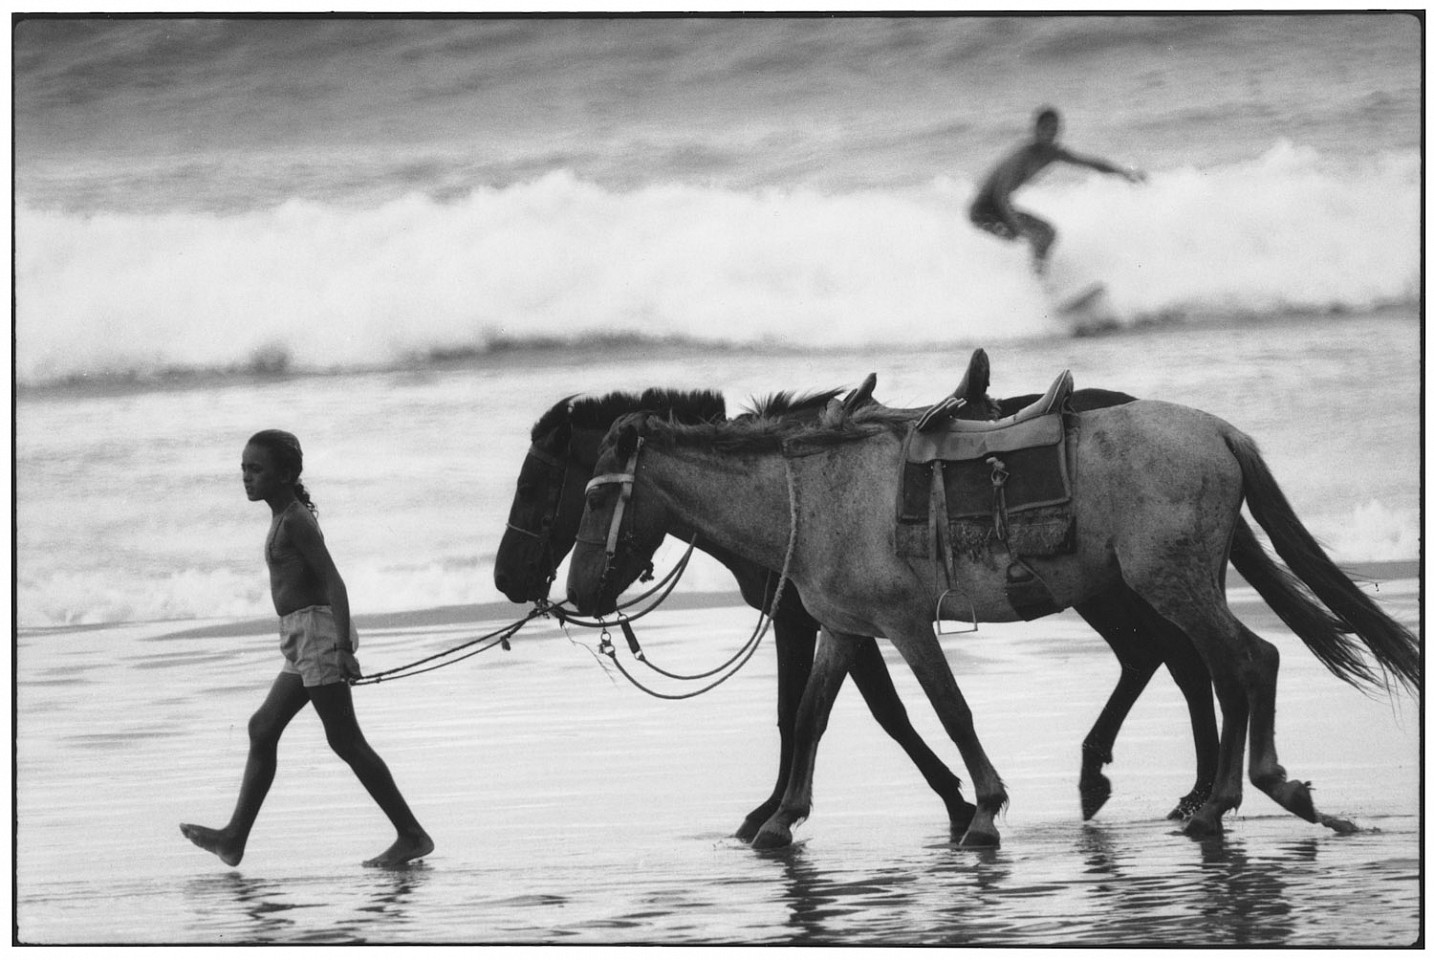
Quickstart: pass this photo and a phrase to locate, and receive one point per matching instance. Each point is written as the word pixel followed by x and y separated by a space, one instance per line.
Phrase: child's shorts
pixel 309 641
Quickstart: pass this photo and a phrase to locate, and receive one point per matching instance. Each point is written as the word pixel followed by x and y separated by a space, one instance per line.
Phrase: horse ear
pixel 628 430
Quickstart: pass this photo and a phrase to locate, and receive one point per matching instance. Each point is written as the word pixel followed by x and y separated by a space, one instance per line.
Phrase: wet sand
pixel 570 808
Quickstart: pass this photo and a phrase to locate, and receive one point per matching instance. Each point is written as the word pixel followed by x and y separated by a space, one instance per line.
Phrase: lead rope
pixel 665 585
pixel 505 634
pixel 744 653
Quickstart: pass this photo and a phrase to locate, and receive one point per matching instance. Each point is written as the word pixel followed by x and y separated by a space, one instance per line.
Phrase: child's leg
pixel 334 703
pixel 286 698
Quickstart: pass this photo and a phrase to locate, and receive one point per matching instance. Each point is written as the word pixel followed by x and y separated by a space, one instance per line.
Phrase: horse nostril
pixel 501 582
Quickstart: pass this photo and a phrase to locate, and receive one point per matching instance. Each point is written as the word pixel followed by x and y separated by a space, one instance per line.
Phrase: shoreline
pixel 495 611
pixel 266 369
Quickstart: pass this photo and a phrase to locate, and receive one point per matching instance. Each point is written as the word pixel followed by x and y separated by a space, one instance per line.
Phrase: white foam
pixel 326 285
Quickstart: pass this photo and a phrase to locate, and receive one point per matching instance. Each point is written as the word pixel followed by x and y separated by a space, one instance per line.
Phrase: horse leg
pixel 921 650
pixel 1201 613
pixel 796 639
pixel 1245 669
pixel 829 669
pixel 1265 770
pixel 1190 675
pixel 872 678
pixel 1256 669
pixel 1113 617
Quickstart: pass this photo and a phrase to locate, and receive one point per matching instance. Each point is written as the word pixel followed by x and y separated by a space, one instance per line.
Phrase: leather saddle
pixel 978 488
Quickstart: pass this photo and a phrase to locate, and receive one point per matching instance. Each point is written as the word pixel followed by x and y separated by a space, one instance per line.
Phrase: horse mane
pixel 785 402
pixel 598 413
pixel 770 434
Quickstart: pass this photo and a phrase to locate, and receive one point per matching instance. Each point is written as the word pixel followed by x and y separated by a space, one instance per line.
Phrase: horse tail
pixel 1353 612
pixel 1284 593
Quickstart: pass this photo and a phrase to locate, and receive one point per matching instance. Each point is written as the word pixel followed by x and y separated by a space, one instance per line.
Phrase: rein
pixel 659 592
pixel 744 653
pixel 541 609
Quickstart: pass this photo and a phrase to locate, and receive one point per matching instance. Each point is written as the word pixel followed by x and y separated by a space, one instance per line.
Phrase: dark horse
pixel 543 524
pixel 548 505
pixel 1158 494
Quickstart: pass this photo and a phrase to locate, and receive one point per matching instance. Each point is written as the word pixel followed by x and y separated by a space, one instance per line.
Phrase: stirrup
pixel 951 633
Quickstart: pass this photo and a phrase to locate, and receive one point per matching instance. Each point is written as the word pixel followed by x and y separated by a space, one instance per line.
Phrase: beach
pixel 568 807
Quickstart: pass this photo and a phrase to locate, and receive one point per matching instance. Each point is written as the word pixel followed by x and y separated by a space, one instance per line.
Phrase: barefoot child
pixel 318 641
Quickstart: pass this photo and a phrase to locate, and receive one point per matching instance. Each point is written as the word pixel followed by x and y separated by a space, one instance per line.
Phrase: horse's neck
pixel 737 505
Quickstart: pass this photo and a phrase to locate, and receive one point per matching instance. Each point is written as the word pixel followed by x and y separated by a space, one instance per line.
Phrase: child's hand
pixel 349 666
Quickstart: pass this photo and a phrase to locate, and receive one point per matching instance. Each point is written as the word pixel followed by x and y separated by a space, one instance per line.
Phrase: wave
pixel 313 286
pixel 46 597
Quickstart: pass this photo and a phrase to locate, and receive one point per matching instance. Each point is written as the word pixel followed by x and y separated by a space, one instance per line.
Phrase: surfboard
pixel 1081 299
pixel 1087 311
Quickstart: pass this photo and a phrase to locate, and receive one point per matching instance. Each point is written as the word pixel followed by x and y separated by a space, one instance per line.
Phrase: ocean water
pixel 405 239
pixel 320 194
pixel 129 505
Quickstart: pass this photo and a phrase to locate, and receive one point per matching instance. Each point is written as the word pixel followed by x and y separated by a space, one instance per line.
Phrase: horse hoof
pixel 754 819
pixel 1338 825
pixel 1201 828
pixel 961 815
pixel 772 838
pixel 981 839
pixel 1093 795
pixel 1186 808
pixel 1294 796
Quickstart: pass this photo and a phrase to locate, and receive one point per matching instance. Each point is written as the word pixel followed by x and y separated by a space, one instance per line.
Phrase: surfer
pixel 992 210
pixel 317 641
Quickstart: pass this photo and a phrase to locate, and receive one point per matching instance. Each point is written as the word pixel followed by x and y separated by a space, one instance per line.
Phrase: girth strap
pixel 940 524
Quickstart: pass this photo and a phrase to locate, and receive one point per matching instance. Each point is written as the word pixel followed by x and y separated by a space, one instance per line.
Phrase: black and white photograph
pixel 847 477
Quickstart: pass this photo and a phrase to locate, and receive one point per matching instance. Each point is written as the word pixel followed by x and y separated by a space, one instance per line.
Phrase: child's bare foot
pixel 215 841
pixel 403 850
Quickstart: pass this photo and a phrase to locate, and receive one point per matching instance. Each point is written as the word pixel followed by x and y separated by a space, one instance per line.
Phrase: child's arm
pixel 310 543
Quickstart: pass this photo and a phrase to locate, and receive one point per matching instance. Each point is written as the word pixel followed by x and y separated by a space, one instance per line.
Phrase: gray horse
pixel 1156 492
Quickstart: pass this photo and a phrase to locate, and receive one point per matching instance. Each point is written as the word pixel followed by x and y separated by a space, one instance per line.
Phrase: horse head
pixel 548 505
pixel 616 537
pixel 543 519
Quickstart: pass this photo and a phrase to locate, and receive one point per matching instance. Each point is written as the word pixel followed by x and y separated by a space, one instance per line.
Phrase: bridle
pixel 557 494
pixel 615 541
